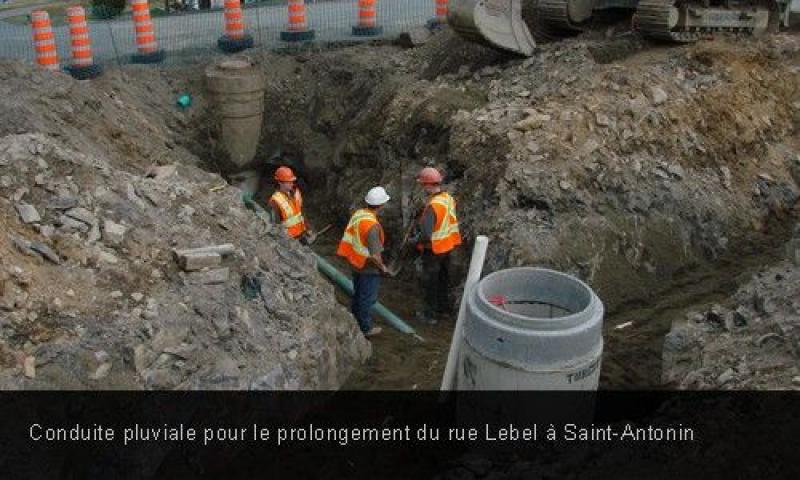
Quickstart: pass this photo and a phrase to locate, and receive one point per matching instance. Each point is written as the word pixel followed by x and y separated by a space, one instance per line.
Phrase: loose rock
pixel 29 367
pixel 198 261
pixel 532 122
pixel 113 233
pixel 414 37
pixel 82 215
pixel 105 257
pixel 27 213
pixel 101 372
pixel 210 277
pixel 602 120
pixel 658 95
pixel 725 377
pixel 69 224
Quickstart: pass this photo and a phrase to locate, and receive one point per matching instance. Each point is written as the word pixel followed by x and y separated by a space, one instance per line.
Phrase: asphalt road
pixel 194 31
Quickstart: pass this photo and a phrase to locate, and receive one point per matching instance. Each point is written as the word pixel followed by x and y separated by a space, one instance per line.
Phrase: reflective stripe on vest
pixel 447 236
pixel 352 246
pixel 291 212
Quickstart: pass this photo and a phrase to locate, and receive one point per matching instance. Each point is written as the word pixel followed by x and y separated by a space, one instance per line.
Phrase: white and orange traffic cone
pixel 297 29
pixel 147 50
pixel 235 38
pixel 82 66
pixel 44 42
pixel 440 12
pixel 367 19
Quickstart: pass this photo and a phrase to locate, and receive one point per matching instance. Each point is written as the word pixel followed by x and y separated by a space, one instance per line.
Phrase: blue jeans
pixel 364 297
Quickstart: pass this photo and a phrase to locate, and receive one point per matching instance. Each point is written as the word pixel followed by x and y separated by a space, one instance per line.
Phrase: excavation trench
pixel 633 355
pixel 670 215
pixel 659 179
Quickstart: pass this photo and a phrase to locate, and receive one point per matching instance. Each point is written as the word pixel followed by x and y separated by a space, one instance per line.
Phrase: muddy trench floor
pixel 632 355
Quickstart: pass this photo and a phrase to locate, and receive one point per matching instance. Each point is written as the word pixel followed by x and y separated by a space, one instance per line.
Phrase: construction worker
pixel 437 236
pixel 362 246
pixel 287 206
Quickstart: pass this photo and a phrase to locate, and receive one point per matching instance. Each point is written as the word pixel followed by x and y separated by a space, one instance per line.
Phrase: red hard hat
pixel 284 174
pixel 429 175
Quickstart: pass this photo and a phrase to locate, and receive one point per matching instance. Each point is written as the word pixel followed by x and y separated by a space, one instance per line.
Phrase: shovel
pixel 313 238
pixel 395 267
pixel 394 270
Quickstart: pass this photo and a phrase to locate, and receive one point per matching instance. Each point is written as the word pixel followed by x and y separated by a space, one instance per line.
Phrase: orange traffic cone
pixel 83 66
pixel 235 38
pixel 44 42
pixel 367 19
pixel 297 28
pixel 441 11
pixel 146 45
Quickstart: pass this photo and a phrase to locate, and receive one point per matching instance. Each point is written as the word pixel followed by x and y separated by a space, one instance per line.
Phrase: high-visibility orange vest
pixel 445 235
pixel 353 245
pixel 291 209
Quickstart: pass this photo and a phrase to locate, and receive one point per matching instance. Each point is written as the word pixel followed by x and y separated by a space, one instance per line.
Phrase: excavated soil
pixel 663 176
pixel 95 193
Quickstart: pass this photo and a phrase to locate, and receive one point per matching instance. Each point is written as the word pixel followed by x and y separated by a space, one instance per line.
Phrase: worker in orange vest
pixel 287 206
pixel 437 236
pixel 362 246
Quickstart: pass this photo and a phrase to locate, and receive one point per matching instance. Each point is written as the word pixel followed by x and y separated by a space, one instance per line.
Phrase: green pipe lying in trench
pixel 347 285
pixel 339 279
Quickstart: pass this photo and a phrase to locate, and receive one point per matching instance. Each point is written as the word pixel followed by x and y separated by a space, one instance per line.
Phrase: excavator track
pixel 657 18
pixel 563 18
pixel 554 16
pixel 665 20
pixel 516 25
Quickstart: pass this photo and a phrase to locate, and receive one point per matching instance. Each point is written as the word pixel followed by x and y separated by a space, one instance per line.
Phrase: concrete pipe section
pixel 531 329
pixel 236 87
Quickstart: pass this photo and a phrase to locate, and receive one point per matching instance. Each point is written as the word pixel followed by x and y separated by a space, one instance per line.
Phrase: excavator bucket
pixel 497 23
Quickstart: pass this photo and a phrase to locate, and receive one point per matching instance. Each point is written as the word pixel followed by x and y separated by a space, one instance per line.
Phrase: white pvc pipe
pixel 474 274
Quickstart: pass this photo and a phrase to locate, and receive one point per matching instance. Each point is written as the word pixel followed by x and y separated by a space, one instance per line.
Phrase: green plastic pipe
pixel 342 281
pixel 347 285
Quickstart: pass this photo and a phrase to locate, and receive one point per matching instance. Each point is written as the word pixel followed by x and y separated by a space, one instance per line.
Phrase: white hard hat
pixel 376 196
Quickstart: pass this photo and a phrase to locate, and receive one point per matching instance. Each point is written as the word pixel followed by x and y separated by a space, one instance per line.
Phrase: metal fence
pixel 188 34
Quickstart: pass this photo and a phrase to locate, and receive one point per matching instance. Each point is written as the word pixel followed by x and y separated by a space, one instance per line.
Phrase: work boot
pixel 373 331
pixel 426 318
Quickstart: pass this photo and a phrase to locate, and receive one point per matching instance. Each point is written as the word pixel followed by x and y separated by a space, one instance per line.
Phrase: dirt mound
pixel 613 156
pixel 95 193
pixel 623 162
pixel 750 342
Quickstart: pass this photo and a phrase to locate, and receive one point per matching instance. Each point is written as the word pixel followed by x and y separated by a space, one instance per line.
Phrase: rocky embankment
pixel 618 160
pixel 751 342
pixel 95 195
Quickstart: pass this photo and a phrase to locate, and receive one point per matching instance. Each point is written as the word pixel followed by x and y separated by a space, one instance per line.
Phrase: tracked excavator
pixel 515 25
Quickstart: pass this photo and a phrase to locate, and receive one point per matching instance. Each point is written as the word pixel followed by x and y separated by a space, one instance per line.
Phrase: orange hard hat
pixel 284 174
pixel 429 175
